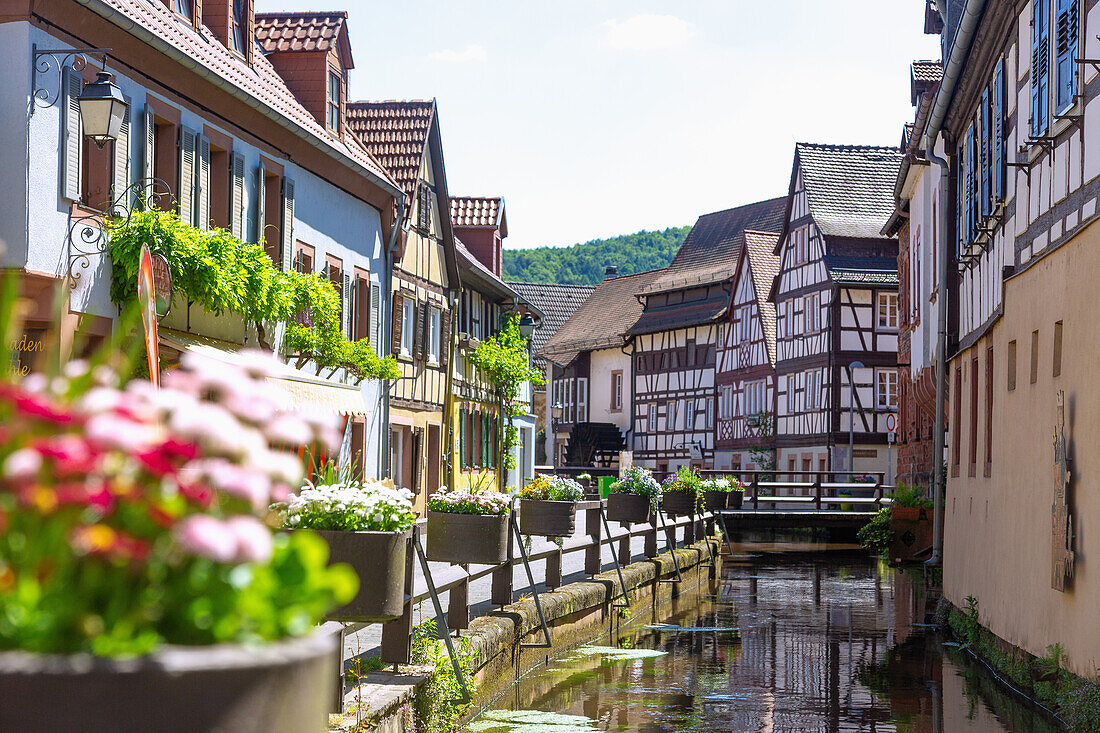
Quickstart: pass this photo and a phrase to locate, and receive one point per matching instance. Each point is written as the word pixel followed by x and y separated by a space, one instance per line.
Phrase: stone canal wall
pixel 575 613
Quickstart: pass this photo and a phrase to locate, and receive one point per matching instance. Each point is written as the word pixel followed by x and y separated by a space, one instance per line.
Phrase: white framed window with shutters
pixel 435 324
pixel 408 325
pixel 886 389
pixel 887 312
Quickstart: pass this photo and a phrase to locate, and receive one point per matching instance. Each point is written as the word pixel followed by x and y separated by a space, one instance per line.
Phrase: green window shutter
pixel 286 226
pixel 202 184
pixel 462 437
pixel 236 197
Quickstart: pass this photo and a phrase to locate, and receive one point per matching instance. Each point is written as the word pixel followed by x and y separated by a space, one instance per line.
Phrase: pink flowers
pixel 239 539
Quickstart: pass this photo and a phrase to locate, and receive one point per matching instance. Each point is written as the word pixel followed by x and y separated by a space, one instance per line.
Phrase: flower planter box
pixel 911 536
pixel 378 558
pixel 906 513
pixel 630 508
pixel 468 538
pixel 737 498
pixel 281 687
pixel 713 500
pixel 545 518
pixel 679 503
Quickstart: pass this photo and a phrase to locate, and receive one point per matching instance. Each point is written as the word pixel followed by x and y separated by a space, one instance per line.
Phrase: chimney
pixel 610 272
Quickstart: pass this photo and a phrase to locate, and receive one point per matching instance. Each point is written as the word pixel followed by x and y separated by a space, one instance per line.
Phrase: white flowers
pixel 375 506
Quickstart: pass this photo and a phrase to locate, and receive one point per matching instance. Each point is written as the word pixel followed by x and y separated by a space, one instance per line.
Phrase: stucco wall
pixel 604 362
pixel 997 533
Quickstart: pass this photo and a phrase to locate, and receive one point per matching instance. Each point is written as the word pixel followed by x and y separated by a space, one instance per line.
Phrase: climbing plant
pixel 221 273
pixel 506 364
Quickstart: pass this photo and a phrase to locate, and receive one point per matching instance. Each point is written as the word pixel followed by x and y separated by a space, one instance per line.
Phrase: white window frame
pixel 813 390
pixel 582 399
pixel 435 326
pixel 886 309
pixel 671 408
pixel 651 418
pixel 886 389
pixel 617 391
pixel 709 406
pixel 812 308
pixel 689 414
pixel 408 326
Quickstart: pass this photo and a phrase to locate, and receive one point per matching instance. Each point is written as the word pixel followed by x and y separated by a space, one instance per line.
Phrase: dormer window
pixel 335 87
pixel 185 8
pixel 239 34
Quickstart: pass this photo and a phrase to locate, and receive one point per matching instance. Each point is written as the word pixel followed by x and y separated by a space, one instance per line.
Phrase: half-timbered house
pixel 745 376
pixel 423 286
pixel 914 223
pixel 589 374
pixel 836 306
pixel 675 341
pixel 1014 119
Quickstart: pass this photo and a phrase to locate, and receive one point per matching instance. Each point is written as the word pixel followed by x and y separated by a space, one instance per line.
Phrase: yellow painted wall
pixel 469 478
pixel 998 544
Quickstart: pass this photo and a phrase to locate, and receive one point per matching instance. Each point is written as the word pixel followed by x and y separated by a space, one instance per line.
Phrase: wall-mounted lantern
pixel 102 109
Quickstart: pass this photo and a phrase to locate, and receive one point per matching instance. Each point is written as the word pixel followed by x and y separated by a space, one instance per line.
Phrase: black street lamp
pixel 527 326
pixel 102 109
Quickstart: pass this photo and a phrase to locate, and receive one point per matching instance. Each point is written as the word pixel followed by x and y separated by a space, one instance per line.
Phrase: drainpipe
pixel 957 57
pixel 387 331
pixel 630 430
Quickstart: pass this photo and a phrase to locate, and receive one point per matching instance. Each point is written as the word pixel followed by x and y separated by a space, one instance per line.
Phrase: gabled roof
pixel 601 321
pixel 850 188
pixel 926 76
pixel 479 211
pixel 396 133
pixel 556 301
pixel 155 24
pixel 763 265
pixel 709 252
pixel 303 32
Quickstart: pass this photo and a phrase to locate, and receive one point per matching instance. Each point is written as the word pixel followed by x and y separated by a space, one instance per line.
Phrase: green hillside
pixel 583 264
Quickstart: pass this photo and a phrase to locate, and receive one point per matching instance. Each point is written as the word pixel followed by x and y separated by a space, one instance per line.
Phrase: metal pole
pixel 852 417
pixel 938 474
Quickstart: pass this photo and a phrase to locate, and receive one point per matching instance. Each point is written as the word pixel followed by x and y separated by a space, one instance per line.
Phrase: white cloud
pixel 648 32
pixel 472 52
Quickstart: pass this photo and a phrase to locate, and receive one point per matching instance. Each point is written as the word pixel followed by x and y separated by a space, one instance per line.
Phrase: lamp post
pixel 527 327
pixel 852 416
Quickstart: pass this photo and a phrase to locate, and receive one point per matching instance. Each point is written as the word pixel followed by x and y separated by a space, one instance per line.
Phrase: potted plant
pixel 723 493
pixel 908 503
pixel 910 523
pixel 681 492
pixel 548 506
pixel 468 527
pixel 366 525
pixel 139 582
pixel 634 496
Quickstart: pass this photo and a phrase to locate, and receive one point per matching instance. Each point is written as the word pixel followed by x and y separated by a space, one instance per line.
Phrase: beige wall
pixel 998 528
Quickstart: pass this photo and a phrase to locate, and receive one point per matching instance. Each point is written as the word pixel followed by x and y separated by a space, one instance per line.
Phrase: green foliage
pixel 436 710
pixel 505 362
pixel 583 264
pixel 876 535
pixel 686 480
pixel 221 273
pixel 910 496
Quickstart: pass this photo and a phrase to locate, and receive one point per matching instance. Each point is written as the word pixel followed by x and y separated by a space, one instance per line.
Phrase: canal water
pixel 796 636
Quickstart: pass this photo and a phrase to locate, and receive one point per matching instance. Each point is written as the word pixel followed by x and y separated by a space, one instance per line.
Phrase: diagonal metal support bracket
pixel 441 622
pixel 615 558
pixel 534 589
pixel 725 532
pixel 670 541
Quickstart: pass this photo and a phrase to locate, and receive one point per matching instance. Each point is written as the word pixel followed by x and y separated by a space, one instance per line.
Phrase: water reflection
pixel 801 638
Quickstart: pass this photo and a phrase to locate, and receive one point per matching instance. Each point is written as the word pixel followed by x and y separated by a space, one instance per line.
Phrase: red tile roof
pixel 763 266
pixel 602 320
pixel 396 133
pixel 709 253
pixel 260 82
pixel 282 32
pixel 476 211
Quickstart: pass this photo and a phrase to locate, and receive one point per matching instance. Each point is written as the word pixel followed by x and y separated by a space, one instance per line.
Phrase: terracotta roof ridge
pixel 301 14
pixel 391 101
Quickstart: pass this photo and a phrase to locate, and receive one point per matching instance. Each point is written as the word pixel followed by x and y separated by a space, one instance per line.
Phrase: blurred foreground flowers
pixel 133 517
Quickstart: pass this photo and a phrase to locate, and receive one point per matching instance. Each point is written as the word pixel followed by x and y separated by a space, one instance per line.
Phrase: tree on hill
pixel 583 264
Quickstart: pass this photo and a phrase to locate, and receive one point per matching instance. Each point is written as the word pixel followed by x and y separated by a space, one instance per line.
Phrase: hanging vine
pixel 223 274
pixel 506 364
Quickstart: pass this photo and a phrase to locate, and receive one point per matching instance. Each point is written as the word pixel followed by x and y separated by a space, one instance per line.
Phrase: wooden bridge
pixel 790 500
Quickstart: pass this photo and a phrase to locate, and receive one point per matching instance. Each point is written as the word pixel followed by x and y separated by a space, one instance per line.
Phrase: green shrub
pixel 876 535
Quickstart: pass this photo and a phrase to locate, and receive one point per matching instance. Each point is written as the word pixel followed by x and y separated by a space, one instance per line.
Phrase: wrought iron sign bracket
pixel 88 233
pixel 45 60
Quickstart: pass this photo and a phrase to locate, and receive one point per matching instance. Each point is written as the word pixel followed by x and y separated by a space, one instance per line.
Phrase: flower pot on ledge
pixel 279 687
pixel 629 508
pixel 480 539
pixel 378 558
pixel 714 500
pixel 679 503
pixel 545 518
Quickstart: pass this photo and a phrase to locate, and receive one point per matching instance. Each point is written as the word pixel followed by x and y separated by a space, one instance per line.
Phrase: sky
pixel 601 117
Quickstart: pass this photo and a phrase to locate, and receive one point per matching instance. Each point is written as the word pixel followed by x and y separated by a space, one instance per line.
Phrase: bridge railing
pixel 816 489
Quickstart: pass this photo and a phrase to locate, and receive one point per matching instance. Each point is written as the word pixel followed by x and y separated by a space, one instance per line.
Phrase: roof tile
pixel 557 303
pixel 764 267
pixel 281 32
pixel 476 211
pixel 850 187
pixel 396 133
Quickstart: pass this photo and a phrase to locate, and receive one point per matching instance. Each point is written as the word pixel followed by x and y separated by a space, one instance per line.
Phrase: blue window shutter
pixel 987 154
pixel 1067 32
pixel 971 187
pixel 999 167
pixel 960 199
pixel 1040 67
